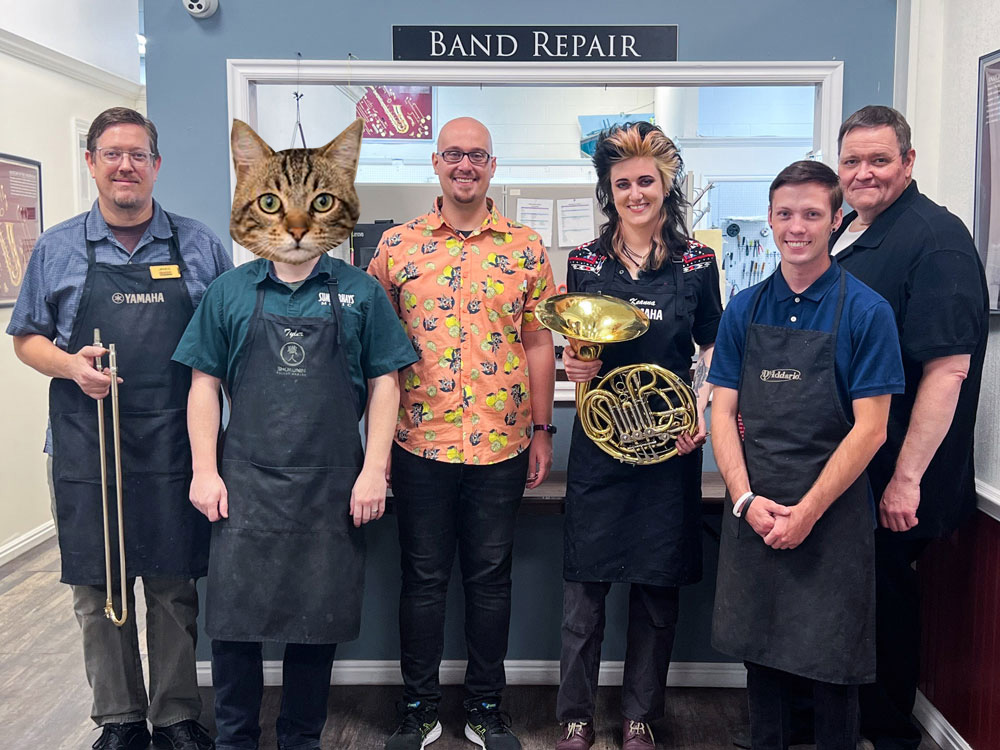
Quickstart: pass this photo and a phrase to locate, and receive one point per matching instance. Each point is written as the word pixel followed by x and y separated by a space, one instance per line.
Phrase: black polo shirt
pixel 921 258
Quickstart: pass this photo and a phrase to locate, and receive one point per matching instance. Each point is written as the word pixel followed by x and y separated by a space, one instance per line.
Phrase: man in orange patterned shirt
pixel 474 426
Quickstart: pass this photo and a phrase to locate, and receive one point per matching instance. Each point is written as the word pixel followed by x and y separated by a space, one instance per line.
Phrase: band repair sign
pixel 657 43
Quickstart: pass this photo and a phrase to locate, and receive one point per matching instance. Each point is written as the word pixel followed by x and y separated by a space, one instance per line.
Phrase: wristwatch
pixel 549 428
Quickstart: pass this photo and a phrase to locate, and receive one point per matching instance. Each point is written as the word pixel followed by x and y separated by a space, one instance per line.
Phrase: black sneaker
pixel 489 727
pixel 131 735
pixel 418 728
pixel 184 735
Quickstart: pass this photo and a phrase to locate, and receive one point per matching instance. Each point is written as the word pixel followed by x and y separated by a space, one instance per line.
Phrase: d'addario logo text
pixel 780 376
pixel 137 299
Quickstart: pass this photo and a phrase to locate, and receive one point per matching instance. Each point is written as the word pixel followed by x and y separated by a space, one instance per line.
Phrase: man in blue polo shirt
pixel 136 272
pixel 804 366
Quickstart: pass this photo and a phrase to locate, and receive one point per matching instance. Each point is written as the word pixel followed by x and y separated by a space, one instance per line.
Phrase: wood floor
pixel 45 700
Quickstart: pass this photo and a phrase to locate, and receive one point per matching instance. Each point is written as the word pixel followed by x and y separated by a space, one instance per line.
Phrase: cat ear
pixel 345 149
pixel 248 148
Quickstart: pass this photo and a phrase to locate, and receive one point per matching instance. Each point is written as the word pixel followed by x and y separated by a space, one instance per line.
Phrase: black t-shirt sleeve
pixel 944 310
pixel 708 311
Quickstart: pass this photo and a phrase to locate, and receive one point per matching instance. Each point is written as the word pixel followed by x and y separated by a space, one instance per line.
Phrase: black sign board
pixel 536 43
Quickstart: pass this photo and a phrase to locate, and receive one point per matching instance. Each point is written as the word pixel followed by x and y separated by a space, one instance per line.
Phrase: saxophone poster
pixel 20 221
pixel 397 113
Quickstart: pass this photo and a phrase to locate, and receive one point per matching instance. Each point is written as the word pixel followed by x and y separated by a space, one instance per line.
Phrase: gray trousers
pixel 111 654
pixel 652 620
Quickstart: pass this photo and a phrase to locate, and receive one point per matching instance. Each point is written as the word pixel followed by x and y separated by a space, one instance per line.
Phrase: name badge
pixel 172 271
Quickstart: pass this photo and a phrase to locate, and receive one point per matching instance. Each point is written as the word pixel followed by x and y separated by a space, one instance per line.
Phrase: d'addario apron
pixel 288 563
pixel 640 524
pixel 165 535
pixel 809 611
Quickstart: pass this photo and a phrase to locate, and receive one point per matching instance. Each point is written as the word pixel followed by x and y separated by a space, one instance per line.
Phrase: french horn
pixel 635 413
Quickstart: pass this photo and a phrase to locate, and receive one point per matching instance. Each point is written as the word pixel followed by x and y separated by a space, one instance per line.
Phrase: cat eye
pixel 454 156
pixel 323 202
pixel 269 203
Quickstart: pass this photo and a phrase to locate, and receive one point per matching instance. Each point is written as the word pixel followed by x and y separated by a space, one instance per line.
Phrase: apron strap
pixel 175 247
pixel 334 285
pixel 677 269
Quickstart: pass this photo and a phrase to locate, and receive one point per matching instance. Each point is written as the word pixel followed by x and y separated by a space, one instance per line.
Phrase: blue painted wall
pixel 186 93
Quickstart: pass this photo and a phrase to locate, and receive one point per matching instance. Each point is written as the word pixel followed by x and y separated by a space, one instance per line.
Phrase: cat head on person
pixel 642 143
pixel 292 206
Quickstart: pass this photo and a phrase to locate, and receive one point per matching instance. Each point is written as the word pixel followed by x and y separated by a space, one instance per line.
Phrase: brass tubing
pixel 109 609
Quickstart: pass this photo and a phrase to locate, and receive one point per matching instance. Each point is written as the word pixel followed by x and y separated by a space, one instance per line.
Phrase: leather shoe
pixel 131 735
pixel 184 735
pixel 576 735
pixel 637 735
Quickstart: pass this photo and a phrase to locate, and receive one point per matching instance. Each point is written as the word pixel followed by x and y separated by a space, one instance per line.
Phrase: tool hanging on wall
pixel 297 128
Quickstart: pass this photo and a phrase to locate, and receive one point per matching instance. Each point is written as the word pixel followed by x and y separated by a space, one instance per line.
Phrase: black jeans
pixel 652 621
pixel 441 506
pixel 769 692
pixel 238 676
pixel 887 705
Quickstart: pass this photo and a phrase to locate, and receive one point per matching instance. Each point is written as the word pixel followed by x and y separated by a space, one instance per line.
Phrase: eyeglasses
pixel 113 156
pixel 454 156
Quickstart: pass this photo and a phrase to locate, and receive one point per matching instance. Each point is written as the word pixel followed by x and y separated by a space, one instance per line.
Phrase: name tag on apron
pixel 171 271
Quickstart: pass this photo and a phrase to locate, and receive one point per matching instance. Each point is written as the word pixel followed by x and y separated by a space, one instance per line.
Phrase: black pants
pixel 442 506
pixel 887 705
pixel 768 693
pixel 652 621
pixel 238 676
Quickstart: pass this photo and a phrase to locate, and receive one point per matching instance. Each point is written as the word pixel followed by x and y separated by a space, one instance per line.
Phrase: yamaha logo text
pixel 780 376
pixel 147 298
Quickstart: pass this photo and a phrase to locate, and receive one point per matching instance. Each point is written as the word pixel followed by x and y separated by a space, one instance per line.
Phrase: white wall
pixel 947 39
pixel 99 32
pixel 49 101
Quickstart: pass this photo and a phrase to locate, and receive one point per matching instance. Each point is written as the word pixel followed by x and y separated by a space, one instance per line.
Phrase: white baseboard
pixel 519 672
pixel 26 542
pixel 937 726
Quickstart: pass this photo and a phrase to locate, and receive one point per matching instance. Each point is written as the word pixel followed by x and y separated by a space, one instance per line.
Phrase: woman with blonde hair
pixel 625 523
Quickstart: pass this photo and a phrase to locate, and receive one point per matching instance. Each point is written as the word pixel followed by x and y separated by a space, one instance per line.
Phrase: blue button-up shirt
pixel 53 283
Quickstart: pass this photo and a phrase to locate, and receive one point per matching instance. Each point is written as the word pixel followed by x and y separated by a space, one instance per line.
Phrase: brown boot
pixel 637 735
pixel 576 735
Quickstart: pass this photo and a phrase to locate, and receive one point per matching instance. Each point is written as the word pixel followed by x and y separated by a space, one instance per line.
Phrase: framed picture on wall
pixel 397 113
pixel 20 221
pixel 987 207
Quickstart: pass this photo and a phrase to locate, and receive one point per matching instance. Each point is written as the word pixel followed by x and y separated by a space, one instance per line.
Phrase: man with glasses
pixel 474 426
pixel 135 272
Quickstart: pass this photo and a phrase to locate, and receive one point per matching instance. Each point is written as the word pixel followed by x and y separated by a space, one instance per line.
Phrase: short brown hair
pixel 877 116
pixel 120 116
pixel 807 171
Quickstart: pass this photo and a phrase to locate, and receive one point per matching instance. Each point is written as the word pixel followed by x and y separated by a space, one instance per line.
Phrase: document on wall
pixel 537 214
pixel 576 221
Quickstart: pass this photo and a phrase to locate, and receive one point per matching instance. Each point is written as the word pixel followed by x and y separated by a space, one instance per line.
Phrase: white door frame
pixel 827 76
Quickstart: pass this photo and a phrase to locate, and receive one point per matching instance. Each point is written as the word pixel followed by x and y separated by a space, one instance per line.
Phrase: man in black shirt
pixel 921 258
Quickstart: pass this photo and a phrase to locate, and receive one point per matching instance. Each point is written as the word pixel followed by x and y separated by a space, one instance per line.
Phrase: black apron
pixel 809 611
pixel 288 563
pixel 638 524
pixel 165 535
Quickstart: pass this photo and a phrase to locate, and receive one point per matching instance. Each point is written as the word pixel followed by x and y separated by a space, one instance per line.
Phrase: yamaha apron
pixel 165 536
pixel 810 610
pixel 640 524
pixel 288 563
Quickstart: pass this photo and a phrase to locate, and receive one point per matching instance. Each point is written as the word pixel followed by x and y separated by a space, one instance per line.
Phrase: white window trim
pixel 827 76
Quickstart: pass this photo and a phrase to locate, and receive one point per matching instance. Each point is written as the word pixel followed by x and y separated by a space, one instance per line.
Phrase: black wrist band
pixel 549 428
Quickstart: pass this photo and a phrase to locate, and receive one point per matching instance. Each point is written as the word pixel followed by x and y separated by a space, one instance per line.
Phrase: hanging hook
pixel 298 98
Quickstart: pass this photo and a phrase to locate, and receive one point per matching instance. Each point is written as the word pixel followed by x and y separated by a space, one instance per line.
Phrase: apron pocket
pixel 288 499
pixel 155 442
pixel 74 447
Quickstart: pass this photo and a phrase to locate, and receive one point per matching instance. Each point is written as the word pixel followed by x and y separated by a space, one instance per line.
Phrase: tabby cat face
pixel 294 205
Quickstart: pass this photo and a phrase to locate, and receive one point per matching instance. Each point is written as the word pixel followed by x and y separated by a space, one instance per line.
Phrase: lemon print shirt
pixel 464 302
